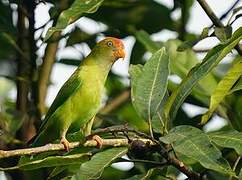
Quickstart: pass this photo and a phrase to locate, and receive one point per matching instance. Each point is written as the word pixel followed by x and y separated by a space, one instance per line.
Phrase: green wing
pixel 66 91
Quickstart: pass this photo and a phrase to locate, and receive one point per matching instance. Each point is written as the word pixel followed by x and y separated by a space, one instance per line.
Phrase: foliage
pixel 154 108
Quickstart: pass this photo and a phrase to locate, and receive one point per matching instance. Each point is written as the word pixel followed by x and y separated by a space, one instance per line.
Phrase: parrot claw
pixel 99 141
pixel 65 143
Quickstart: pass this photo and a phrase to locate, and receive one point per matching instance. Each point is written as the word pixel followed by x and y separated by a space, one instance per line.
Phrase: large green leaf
pixel 70 15
pixel 181 63
pixel 195 144
pixel 93 169
pixel 213 57
pixel 223 89
pixel 229 139
pixel 149 84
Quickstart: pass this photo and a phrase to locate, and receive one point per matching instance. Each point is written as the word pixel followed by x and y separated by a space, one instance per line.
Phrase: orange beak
pixel 119 53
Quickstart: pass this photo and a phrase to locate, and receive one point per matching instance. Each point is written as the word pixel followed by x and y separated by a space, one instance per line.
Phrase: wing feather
pixel 69 88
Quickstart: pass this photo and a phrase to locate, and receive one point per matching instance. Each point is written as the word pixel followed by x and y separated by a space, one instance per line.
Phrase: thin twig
pixel 184 169
pixel 228 11
pixel 216 21
pixel 59 147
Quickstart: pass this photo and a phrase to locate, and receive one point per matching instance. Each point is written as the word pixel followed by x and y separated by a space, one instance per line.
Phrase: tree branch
pixel 216 21
pixel 122 128
pixel 59 147
pixel 184 169
pixel 146 139
pixel 169 157
pixel 229 10
pixel 45 71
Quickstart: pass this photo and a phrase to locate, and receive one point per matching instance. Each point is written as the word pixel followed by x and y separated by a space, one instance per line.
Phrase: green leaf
pixel 204 33
pixel 194 143
pixel 189 44
pixel 150 174
pixel 229 139
pixel 240 174
pixel 128 114
pixel 157 121
pixel 223 33
pixel 223 89
pixel 144 38
pixel 149 84
pixel 52 161
pixel 70 15
pixel 181 63
pixel 93 169
pixel 237 86
pixel 135 72
pixel 213 57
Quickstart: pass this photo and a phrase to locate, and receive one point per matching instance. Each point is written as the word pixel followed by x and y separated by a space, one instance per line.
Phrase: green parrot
pixel 79 99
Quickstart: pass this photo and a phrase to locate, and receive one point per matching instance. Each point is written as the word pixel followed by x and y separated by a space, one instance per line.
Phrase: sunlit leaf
pixel 223 89
pixel 237 86
pixel 213 57
pixel 195 144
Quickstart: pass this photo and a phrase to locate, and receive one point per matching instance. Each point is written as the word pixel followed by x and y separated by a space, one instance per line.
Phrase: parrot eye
pixel 110 43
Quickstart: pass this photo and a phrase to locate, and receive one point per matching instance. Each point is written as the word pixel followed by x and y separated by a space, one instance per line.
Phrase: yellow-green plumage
pixel 79 99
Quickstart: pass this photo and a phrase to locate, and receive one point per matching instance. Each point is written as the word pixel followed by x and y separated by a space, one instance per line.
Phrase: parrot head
pixel 113 46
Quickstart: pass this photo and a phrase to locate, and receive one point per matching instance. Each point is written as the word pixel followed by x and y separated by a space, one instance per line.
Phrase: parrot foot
pixel 65 143
pixel 98 139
